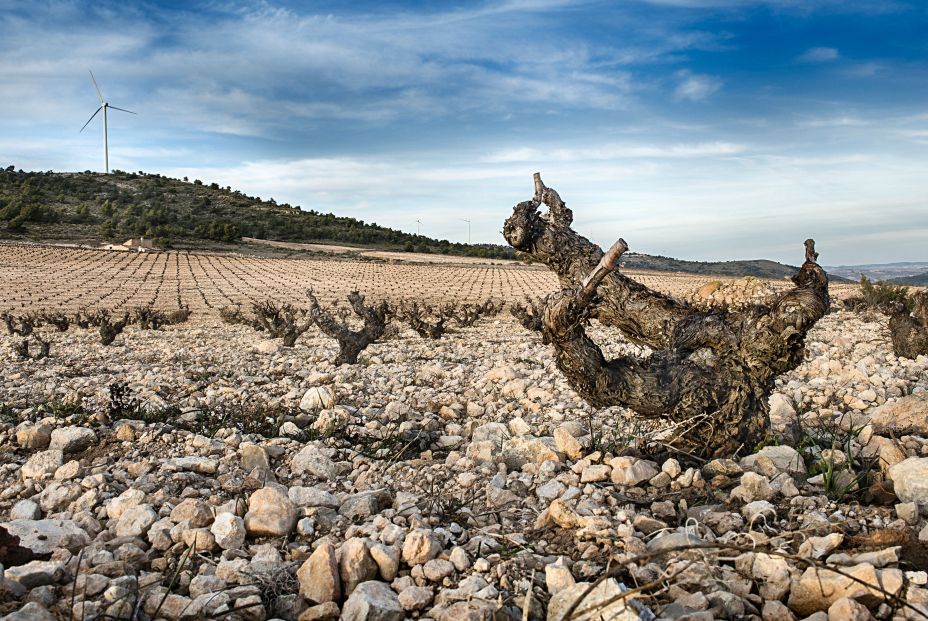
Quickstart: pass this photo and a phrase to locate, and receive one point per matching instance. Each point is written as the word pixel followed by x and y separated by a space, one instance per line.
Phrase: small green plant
pixel 881 296
pixel 828 450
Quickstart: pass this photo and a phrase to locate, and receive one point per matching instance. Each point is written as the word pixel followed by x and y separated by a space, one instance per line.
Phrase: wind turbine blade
pixel 96 86
pixel 91 118
pixel 121 109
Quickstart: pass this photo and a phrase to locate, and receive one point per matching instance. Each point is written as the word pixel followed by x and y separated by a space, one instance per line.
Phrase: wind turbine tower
pixel 103 106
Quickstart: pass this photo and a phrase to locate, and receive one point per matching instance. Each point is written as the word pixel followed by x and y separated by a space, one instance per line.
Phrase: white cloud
pixel 819 55
pixel 696 87
pixel 616 151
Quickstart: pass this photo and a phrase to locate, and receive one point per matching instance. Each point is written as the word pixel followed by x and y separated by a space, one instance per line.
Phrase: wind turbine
pixel 103 106
pixel 468 229
pixel 418 226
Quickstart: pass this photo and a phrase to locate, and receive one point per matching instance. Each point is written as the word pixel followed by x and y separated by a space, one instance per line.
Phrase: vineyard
pixel 63 279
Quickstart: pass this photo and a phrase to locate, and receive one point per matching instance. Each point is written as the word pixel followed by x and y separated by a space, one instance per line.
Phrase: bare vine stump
pixel 711 371
pixel 910 330
pixel 351 342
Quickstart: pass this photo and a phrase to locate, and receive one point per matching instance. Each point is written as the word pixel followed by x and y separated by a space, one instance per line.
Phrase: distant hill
pixel 92 208
pixel 918 280
pixel 760 268
pixel 880 271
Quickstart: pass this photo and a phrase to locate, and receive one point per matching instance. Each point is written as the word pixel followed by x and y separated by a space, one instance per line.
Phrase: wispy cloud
pixel 617 151
pixel 695 87
pixel 818 55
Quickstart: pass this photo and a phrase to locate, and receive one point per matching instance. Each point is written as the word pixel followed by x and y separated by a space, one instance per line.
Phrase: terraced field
pixel 44 278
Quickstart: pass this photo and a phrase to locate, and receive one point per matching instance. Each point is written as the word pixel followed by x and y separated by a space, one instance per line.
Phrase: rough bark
pixel 910 330
pixel 711 371
pixel 351 342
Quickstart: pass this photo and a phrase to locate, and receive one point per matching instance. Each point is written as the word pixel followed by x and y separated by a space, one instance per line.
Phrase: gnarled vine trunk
pixel 711 371
pixel 910 330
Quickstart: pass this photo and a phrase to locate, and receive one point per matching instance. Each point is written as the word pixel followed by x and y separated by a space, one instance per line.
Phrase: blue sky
pixel 704 129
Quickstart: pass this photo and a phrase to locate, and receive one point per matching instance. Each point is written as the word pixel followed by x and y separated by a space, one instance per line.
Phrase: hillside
pixel 92 208
pixel 760 268
pixel 918 280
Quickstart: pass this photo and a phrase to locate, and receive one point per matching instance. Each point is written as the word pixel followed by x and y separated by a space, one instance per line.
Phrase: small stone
pixel 558 576
pixel 311 460
pixel 603 602
pixel 270 513
pixel 319 577
pixel 758 510
pixel 595 473
pixel 194 511
pixel 420 547
pixel 630 471
pixel 355 564
pixel 784 458
pixel 846 609
pixel 910 480
pixel 459 559
pixel 415 598
pixel 45 536
pixel 364 504
pixel 135 521
pixel 253 456
pixel 328 611
pixel 35 573
pixel 724 467
pixel 318 398
pixel 229 531
pixel 312 497
pixel 25 510
pixel 201 465
pixel 32 611
pixel 42 463
pixel 372 601
pixel 567 443
pixel 753 487
pixel 72 439
pixel 817 589
pixel 772 576
pixel 518 427
pixel 672 468
pixel 387 559
pixel 776 611
pixel 819 547
pixel 34 437
pixel 908 511
pixel 437 569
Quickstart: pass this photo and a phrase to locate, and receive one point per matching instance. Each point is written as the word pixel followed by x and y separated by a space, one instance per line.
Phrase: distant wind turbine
pixel 418 227
pixel 468 229
pixel 103 106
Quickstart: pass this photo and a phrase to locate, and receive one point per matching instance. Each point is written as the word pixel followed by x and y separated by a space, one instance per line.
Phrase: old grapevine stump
pixel 910 330
pixel 711 371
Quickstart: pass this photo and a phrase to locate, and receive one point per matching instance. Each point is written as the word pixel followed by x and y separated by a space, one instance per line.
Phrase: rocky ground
pixel 201 471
